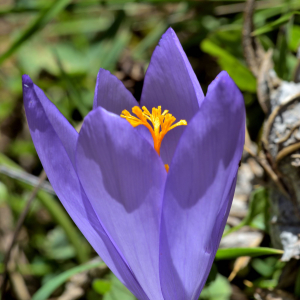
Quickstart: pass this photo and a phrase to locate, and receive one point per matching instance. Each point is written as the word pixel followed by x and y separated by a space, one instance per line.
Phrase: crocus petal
pixel 55 142
pixel 123 178
pixel 171 83
pixel 111 94
pixel 217 232
pixel 36 103
pixel 199 190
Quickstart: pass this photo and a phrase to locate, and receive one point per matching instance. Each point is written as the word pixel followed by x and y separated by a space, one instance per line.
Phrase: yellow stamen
pixel 161 123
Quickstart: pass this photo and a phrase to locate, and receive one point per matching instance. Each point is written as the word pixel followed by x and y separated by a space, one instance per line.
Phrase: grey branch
pixel 26 178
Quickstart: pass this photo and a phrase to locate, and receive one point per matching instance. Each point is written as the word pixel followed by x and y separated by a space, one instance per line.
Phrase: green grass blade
pixel 58 214
pixel 232 253
pixel 257 205
pixel 238 72
pixel 150 39
pixel 273 25
pixel 43 19
pixel 72 91
pixel 61 218
pixel 48 288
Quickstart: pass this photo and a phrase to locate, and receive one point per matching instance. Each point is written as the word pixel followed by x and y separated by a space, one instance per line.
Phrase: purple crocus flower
pixel 157 231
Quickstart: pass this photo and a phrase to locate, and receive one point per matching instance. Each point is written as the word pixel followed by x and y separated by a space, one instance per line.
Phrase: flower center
pixel 161 123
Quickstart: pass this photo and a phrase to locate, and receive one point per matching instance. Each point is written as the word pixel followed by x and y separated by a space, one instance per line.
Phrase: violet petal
pixel 111 94
pixel 197 193
pixel 217 232
pixel 123 178
pixel 55 139
pixel 171 83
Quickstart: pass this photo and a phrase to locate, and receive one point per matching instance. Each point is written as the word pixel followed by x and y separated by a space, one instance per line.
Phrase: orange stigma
pixel 161 123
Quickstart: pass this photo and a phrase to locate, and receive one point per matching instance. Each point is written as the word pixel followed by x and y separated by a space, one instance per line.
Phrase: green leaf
pixel 35 269
pixel 118 290
pixel 258 204
pixel 48 288
pixel 294 40
pixel 218 290
pixel 21 147
pixel 238 72
pixel 228 38
pixel 77 26
pixel 101 286
pixel 36 55
pixel 273 25
pixel 232 253
pixel 6 108
pixel 280 56
pixel 3 192
pixel 264 267
pixel 266 283
pixel 212 274
pixel 256 216
pixel 43 19
pixel 56 245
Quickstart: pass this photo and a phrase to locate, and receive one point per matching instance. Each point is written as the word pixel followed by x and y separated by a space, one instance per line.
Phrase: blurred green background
pixel 61 45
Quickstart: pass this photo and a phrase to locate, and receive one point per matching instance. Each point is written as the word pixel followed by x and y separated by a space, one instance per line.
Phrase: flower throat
pixel 161 123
